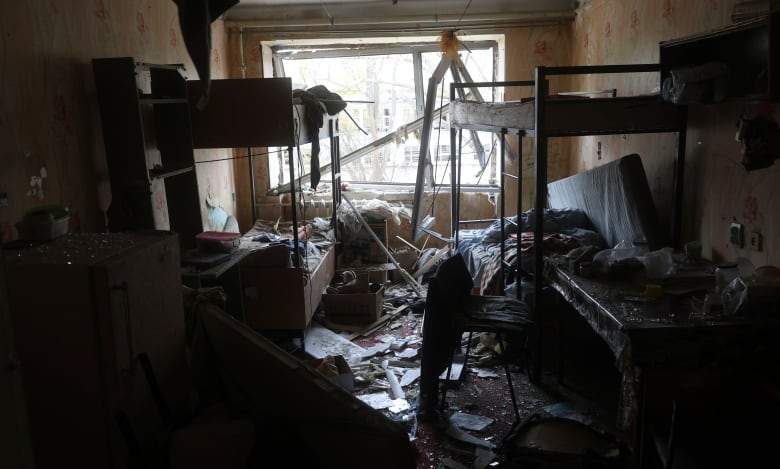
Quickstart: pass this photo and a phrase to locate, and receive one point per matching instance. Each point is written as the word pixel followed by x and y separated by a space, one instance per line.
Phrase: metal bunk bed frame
pixel 554 118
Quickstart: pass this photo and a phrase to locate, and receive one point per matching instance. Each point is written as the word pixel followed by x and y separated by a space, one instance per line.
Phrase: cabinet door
pixel 143 314
pixel 55 334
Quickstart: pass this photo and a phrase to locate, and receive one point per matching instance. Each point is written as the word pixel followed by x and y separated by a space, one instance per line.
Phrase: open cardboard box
pixel 361 303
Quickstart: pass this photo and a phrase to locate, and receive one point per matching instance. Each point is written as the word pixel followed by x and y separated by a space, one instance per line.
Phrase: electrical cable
pixel 463 14
pixel 267 153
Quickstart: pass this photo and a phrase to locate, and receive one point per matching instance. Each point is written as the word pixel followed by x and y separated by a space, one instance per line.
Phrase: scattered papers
pixel 410 376
pixel 408 353
pixel 321 342
pixel 458 434
pixel 382 400
pixel 473 422
pixel 455 373
pixel 483 373
pixel 380 348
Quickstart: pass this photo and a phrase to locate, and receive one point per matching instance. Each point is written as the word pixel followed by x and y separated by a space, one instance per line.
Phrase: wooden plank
pixel 252 112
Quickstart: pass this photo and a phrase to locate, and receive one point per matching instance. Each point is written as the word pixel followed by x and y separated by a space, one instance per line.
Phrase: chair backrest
pixel 453 276
pixel 448 292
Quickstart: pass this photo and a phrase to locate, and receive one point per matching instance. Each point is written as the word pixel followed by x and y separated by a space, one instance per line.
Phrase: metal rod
pixel 252 182
pixel 409 279
pixel 294 206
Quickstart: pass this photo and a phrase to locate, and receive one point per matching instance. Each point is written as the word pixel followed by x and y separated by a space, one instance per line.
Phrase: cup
pixel 693 250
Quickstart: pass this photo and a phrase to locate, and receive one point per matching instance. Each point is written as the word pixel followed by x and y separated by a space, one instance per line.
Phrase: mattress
pixel 492 116
pixel 617 199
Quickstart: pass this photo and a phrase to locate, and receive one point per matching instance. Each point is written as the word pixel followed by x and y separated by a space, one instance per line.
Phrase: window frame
pixel 275 51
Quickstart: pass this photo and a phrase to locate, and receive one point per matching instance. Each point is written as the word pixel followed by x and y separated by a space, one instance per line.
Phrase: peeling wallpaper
pixel 718 190
pixel 51 147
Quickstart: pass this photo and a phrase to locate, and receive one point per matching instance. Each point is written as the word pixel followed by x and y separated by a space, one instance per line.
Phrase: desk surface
pixel 246 247
pixel 669 332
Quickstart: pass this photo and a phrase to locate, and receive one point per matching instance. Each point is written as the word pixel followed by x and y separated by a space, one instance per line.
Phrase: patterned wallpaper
pixel 718 190
pixel 51 147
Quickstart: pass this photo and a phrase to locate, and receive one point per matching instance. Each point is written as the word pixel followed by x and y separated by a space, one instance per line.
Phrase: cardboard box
pixel 336 369
pixel 354 308
pixel 280 297
pixel 376 273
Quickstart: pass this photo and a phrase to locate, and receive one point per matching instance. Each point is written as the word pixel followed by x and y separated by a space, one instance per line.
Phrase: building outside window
pixel 384 84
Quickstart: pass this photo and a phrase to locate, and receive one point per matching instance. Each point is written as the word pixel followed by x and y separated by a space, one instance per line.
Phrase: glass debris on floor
pixel 385 364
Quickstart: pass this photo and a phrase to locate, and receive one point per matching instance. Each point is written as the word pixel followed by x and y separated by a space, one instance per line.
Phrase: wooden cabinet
pixel 745 48
pixel 279 298
pixel 84 307
pixel 145 116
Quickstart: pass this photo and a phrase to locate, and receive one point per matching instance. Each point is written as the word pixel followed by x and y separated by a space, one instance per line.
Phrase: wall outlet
pixel 754 241
pixel 736 235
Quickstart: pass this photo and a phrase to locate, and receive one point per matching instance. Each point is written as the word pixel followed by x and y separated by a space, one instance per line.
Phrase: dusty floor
pixel 482 393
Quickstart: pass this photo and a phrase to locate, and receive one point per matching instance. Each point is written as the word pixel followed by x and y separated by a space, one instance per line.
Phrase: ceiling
pixel 323 12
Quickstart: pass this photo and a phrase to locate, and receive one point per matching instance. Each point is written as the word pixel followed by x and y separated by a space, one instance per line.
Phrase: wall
pixel 717 188
pixel 526 48
pixel 51 148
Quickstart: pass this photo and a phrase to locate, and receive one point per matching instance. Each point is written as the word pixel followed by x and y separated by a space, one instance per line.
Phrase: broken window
pixel 384 82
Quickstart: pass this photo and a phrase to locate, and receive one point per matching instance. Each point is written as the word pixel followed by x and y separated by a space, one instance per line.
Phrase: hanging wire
pixel 251 154
pixel 463 14
pixel 327 13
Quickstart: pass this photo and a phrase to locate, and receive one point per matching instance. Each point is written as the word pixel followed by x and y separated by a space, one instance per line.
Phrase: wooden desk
pixel 224 274
pixel 267 297
pixel 653 336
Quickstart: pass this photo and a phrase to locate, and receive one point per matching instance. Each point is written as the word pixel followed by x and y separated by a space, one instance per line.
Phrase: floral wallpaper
pixel 51 147
pixel 718 190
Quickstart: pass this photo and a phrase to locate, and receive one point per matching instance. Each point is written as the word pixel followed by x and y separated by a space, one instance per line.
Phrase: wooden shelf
pixel 134 121
pixel 744 47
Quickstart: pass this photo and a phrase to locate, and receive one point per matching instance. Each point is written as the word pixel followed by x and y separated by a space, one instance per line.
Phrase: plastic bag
pixel 658 264
pixel 620 260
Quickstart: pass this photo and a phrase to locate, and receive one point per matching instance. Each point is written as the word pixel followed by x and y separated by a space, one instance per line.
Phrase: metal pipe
pixel 485 19
pixel 409 279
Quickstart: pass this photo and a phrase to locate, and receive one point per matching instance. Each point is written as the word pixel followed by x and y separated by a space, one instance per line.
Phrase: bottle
pixel 724 274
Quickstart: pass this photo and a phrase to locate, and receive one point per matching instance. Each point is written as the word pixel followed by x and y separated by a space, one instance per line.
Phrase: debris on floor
pixel 380 366
pixel 385 359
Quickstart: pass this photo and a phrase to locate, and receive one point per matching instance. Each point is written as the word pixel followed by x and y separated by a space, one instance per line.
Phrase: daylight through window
pixel 384 86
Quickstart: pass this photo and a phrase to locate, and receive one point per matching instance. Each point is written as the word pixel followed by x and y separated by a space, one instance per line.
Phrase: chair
pixel 450 311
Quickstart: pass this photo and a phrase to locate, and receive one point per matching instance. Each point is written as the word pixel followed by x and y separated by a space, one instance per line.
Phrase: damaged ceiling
pixel 258 13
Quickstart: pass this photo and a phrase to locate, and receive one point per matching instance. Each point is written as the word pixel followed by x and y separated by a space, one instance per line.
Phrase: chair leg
pixel 449 371
pixel 508 376
pixel 468 350
pixel 446 383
